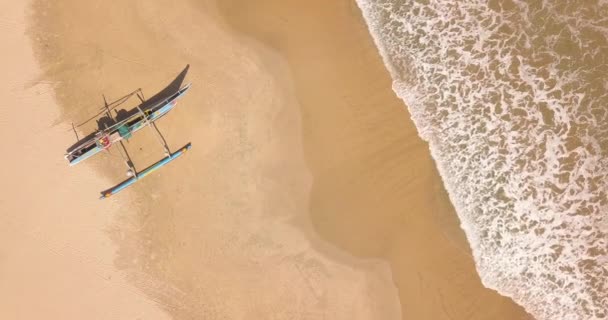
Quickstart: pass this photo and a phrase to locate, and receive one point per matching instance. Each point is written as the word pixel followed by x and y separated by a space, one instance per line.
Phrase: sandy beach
pixel 307 193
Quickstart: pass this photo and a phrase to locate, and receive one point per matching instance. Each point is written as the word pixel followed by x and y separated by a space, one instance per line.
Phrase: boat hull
pixel 75 158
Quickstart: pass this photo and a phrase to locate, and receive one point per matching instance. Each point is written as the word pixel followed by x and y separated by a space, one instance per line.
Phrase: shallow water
pixel 512 98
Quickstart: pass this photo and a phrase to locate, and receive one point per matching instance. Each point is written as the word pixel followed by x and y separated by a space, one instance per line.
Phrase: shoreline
pixel 273 24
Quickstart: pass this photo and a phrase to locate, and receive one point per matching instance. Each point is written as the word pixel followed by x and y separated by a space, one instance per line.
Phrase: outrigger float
pixel 104 138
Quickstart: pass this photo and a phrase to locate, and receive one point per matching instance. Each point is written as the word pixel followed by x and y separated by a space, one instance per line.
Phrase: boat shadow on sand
pixel 106 121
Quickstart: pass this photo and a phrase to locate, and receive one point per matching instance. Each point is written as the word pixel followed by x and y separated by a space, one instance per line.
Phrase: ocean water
pixel 512 97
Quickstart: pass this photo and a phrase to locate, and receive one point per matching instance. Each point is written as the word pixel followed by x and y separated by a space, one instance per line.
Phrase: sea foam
pixel 512 98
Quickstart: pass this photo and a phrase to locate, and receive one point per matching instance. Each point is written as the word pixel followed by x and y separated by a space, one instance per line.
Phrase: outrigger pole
pixel 137 176
pixel 123 153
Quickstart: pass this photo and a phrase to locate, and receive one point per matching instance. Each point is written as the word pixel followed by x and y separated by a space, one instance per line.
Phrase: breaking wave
pixel 512 98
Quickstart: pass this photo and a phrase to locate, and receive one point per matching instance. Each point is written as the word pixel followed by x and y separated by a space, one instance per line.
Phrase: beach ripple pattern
pixel 512 98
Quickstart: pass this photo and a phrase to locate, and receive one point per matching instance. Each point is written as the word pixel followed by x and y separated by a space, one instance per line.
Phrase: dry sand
pixel 295 134
pixel 56 260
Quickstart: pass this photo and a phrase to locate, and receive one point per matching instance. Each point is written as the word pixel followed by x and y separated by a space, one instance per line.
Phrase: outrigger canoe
pixel 123 130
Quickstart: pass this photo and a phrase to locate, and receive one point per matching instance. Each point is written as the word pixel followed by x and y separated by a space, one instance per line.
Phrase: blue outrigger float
pixel 104 138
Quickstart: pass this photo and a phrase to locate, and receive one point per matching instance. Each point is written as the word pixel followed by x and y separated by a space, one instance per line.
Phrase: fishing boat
pixel 107 136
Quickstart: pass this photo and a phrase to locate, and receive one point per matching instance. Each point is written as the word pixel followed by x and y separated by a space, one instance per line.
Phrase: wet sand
pixel 375 191
pixel 307 193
